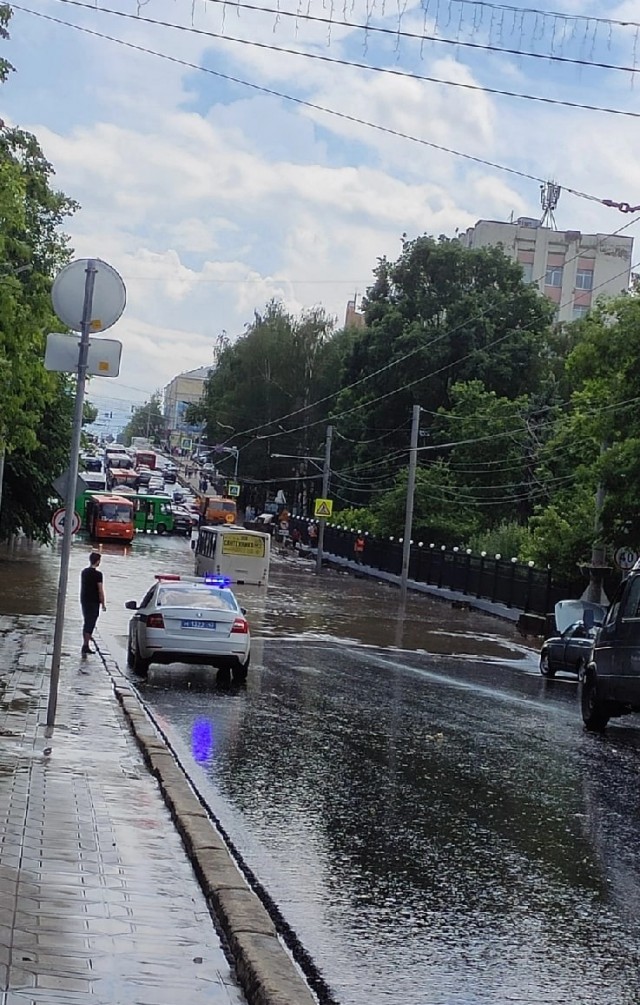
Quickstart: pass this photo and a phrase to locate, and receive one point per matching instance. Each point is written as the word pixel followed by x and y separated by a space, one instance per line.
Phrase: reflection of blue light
pixel 202 740
pixel 216 581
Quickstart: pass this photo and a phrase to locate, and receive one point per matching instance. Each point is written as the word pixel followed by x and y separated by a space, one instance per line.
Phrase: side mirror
pixel 193 544
pixel 588 618
pixel 243 610
pixel 131 605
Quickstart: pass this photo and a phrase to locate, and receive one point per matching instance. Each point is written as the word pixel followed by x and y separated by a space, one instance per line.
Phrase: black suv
pixel 611 685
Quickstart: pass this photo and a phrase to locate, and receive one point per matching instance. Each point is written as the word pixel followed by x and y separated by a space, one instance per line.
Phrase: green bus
pixel 151 512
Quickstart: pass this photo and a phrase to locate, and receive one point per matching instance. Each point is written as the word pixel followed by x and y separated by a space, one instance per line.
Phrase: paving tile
pixel 98 901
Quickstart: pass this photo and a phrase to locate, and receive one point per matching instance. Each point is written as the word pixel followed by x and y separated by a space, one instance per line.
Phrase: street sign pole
pixel 411 484
pixel 90 278
pixel 326 472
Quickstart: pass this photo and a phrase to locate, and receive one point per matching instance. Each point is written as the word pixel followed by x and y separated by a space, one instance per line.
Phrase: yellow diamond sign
pixel 323 508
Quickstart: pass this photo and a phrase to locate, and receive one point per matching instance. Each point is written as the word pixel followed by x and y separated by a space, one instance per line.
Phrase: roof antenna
pixel 549 198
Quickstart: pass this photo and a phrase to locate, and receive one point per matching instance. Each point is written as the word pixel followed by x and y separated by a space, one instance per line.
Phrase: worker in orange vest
pixel 358 548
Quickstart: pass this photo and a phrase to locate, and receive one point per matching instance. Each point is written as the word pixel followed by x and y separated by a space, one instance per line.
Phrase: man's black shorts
pixel 90 613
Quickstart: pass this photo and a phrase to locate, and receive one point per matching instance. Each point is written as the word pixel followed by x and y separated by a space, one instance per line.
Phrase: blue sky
pixel 210 197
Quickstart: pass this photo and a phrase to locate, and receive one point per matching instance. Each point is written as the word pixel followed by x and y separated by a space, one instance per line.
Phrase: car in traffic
pixel 144 475
pixel 170 472
pixel 577 622
pixel 189 620
pixel 183 520
pixel 611 685
pixel 155 484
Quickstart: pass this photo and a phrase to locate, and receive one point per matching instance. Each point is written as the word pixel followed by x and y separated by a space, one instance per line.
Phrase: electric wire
pixel 395 33
pixel 464 85
pixel 387 130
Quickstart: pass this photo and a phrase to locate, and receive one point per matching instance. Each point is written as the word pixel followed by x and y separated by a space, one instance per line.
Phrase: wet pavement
pixel 422 805
pixel 98 900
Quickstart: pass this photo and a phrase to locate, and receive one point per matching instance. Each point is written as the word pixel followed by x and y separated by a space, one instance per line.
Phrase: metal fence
pixel 504 581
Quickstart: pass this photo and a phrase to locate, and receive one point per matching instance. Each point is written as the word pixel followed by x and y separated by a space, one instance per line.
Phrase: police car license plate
pixel 211 625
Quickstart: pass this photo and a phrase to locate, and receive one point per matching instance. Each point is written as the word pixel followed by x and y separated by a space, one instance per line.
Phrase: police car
pixel 182 619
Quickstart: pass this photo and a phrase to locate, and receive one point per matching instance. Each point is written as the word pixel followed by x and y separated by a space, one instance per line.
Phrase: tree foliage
pixel 35 418
pixel 279 368
pixel 439 315
pixel 146 420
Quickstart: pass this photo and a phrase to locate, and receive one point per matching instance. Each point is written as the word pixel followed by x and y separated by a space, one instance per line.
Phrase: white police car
pixel 188 620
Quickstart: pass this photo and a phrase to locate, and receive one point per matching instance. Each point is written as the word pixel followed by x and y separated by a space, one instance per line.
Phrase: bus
pixel 153 513
pixel 120 460
pixel 241 556
pixel 109 518
pixel 146 458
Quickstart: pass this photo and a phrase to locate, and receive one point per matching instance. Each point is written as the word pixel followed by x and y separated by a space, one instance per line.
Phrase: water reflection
pixel 202 740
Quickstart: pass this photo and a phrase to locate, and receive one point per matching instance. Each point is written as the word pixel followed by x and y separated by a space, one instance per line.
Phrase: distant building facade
pixel 570 268
pixel 184 390
pixel 353 317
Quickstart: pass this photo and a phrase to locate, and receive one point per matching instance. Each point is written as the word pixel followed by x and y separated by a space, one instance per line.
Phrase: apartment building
pixel 185 389
pixel 571 268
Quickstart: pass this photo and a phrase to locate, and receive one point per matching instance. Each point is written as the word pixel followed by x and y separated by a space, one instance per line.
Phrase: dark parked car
pixel 577 622
pixel 611 684
pixel 183 520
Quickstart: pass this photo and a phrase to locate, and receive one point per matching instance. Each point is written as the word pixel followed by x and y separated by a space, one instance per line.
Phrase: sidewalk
pixel 98 900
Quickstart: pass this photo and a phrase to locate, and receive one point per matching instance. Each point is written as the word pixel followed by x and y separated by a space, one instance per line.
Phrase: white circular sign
pixel 626 558
pixel 58 519
pixel 109 295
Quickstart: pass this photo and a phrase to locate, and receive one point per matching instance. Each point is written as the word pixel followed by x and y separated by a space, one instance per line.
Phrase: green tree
pixel 282 365
pixel 146 420
pixel 32 250
pixel 596 439
pixel 439 315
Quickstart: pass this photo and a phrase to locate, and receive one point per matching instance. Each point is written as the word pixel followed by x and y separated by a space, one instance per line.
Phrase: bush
pixel 511 540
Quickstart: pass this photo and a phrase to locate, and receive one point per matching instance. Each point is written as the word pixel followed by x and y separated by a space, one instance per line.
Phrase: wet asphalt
pixel 424 808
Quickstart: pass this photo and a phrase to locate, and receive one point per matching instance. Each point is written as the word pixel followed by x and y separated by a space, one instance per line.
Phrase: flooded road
pixel 421 804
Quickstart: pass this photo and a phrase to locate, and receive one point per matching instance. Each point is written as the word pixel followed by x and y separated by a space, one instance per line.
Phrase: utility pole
pixel 597 567
pixel 411 485
pixel 326 474
pixel 67 536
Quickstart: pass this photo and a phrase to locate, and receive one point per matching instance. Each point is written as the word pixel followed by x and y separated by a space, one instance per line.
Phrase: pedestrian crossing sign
pixel 323 508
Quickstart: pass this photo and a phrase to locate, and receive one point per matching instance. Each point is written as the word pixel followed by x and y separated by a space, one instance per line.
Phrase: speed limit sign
pixel 58 520
pixel 626 558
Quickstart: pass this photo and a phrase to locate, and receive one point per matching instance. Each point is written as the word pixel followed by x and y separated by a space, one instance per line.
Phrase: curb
pixel 267 972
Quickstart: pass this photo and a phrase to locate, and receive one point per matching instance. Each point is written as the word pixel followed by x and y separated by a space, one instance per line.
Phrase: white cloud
pixel 210 199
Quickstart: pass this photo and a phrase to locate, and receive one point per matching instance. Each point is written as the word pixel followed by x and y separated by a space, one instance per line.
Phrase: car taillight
pixel 155 621
pixel 240 627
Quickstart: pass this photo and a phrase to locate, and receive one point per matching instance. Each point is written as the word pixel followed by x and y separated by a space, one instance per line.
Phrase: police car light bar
pixel 208 580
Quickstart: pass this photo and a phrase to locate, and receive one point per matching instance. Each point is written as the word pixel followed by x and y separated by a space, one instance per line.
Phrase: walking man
pixel 358 548
pixel 91 599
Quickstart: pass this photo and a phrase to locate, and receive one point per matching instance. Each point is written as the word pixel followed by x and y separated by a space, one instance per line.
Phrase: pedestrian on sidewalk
pixel 91 599
pixel 358 547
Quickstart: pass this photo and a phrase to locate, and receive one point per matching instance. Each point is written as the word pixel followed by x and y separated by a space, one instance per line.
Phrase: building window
pixel 527 271
pixel 554 276
pixel 584 279
pixel 580 311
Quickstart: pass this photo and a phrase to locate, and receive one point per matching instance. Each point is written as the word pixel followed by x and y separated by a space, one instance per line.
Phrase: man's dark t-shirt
pixel 89 579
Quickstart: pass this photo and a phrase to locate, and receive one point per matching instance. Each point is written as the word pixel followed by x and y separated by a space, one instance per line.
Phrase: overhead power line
pixel 357 120
pixel 368 28
pixel 319 57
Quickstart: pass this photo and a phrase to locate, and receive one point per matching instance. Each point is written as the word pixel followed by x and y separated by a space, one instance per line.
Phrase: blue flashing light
pixel 220 581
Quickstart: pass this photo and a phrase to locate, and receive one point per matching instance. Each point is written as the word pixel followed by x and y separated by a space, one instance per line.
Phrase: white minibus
pixel 241 556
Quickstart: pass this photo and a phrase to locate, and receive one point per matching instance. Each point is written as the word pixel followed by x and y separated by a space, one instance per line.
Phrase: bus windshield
pixel 118 512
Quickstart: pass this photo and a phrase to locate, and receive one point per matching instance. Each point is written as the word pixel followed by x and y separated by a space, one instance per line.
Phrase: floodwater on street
pixel 423 807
